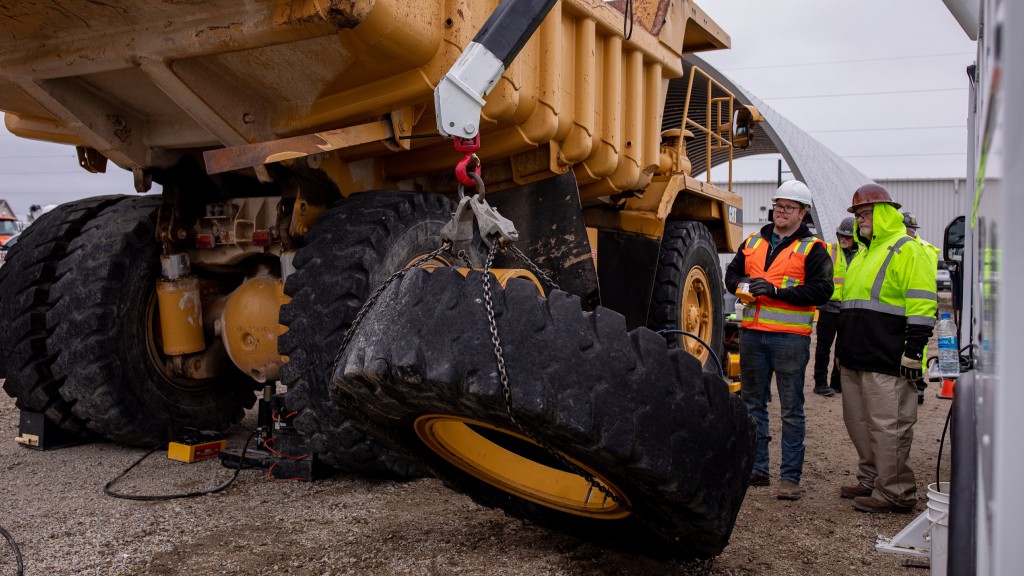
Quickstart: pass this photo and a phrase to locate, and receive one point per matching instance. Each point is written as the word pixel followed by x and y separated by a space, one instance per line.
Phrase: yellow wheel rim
pixel 695 313
pixel 519 466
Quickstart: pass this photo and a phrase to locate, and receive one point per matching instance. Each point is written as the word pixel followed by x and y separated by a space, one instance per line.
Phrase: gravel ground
pixel 53 504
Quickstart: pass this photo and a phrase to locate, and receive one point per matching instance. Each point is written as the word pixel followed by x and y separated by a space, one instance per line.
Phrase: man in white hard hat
pixel 789 274
pixel 841 252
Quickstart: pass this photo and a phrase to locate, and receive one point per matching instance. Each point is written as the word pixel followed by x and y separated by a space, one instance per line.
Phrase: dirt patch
pixel 54 506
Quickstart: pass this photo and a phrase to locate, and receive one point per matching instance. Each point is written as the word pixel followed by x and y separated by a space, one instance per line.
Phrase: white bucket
pixel 938 515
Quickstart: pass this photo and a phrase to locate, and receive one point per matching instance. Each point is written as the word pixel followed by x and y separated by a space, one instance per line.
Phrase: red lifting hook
pixel 461 169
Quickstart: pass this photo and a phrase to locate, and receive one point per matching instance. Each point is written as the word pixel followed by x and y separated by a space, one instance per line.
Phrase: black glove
pixel 910 368
pixel 762 287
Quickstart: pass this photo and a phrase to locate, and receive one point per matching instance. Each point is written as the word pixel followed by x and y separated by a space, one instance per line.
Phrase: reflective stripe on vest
pixel 780 316
pixel 834 252
pixel 875 304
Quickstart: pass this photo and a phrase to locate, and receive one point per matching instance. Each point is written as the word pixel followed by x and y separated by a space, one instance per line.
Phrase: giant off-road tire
pixel 104 345
pixel 665 439
pixel 688 290
pixel 355 246
pixel 25 282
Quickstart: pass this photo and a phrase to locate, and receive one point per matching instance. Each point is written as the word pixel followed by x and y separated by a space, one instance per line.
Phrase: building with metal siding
pixel 934 201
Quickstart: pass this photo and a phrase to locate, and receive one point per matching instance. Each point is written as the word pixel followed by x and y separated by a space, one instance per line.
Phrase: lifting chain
pixel 506 389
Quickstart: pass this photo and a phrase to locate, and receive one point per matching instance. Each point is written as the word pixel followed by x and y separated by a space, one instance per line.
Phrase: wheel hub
pixel 696 307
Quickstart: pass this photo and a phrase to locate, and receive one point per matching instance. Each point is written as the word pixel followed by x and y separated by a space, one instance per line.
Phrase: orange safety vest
pixel 786 271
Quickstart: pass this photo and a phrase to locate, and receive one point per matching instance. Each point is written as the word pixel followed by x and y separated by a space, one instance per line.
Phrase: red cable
pixel 266 444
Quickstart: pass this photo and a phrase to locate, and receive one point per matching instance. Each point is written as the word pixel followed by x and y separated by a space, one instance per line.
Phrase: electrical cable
pixel 942 442
pixel 857 94
pixel 17 551
pixel 858 60
pixel 150 498
pixel 266 444
pixel 718 362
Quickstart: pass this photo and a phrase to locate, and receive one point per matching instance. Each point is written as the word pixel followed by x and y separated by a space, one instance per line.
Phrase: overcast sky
pixel 881 83
pixel 846 72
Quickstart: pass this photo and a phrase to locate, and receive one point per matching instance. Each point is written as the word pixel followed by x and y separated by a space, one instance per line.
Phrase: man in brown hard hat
pixel 887 315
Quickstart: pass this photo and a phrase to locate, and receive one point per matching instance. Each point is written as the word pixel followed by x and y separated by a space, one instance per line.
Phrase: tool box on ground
pixel 196 445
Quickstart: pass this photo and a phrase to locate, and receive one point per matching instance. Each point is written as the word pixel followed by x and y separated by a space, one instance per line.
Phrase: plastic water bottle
pixel 949 354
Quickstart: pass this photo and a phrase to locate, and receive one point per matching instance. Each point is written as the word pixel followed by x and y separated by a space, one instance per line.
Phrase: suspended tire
pixel 355 246
pixel 670 447
pixel 25 282
pixel 104 345
pixel 688 290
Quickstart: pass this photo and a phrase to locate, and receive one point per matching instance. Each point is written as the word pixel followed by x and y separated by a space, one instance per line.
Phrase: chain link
pixel 533 267
pixel 506 389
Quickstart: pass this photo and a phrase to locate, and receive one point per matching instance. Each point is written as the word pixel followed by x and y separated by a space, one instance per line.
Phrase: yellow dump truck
pixel 306 150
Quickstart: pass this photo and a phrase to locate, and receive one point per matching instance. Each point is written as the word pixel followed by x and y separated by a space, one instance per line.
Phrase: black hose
pixel 150 498
pixel 942 442
pixel 718 362
pixel 17 551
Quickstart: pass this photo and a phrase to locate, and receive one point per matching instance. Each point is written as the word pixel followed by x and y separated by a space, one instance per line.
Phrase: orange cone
pixel 947 389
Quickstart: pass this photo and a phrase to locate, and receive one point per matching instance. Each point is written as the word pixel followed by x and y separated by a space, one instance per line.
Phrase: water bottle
pixel 949 354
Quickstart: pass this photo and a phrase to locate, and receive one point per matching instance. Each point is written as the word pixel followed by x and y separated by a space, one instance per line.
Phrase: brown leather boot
pixel 789 490
pixel 850 492
pixel 869 504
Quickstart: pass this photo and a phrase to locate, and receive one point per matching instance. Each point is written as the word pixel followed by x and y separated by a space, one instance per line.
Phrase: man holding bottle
pixel 789 273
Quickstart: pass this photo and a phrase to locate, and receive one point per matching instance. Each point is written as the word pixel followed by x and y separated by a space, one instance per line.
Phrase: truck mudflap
pixel 552 414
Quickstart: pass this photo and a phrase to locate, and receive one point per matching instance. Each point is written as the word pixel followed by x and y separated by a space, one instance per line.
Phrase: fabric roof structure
pixel 831 179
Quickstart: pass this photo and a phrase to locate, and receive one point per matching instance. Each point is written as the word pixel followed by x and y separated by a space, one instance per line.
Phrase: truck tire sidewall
pixel 685 246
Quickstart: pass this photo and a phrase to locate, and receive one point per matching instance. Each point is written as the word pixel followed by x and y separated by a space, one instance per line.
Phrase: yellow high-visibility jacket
pixel 888 299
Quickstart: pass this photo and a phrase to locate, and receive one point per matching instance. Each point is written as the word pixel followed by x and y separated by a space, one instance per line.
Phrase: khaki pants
pixel 880 411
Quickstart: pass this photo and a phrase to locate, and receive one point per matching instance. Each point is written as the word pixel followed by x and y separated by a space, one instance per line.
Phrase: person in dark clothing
pixel 790 273
pixel 841 252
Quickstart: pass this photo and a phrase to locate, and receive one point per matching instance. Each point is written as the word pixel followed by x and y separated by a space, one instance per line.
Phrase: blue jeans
pixel 761 354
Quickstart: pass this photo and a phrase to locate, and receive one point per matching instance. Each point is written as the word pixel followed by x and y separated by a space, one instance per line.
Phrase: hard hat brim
pixel 853 209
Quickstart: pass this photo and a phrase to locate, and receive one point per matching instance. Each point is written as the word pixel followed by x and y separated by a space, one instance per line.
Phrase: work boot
pixel 837 389
pixel 874 505
pixel 758 480
pixel 824 391
pixel 850 492
pixel 789 490
pixel 920 396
